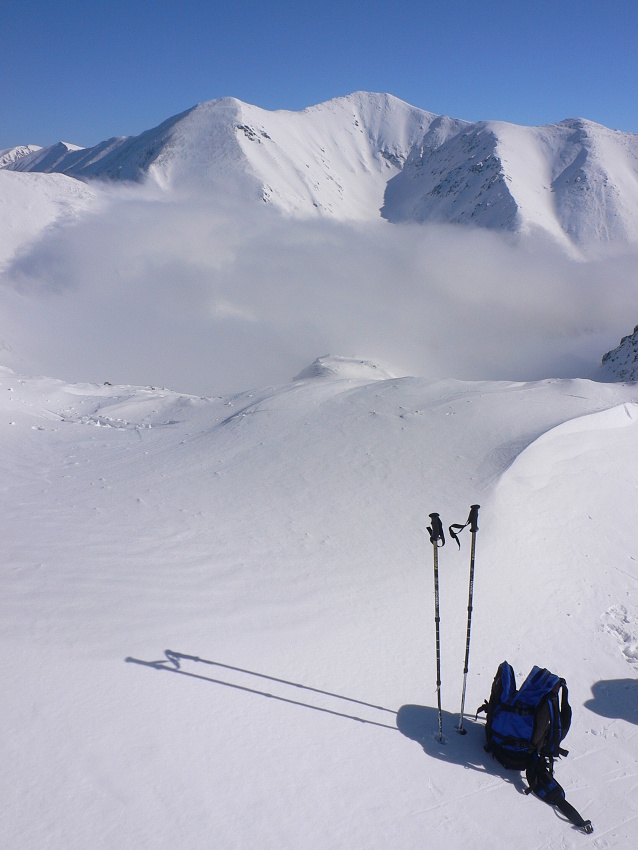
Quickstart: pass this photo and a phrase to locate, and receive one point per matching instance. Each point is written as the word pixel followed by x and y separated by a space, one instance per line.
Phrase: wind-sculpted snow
pixel 214 606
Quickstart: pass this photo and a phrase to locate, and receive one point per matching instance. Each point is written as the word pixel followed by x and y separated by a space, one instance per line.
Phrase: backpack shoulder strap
pixel 540 776
pixel 572 815
pixel 565 710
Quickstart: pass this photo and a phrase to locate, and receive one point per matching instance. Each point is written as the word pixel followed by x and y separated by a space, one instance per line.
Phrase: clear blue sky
pixel 85 71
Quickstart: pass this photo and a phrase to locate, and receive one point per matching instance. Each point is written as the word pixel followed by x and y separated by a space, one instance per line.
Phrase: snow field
pixel 279 537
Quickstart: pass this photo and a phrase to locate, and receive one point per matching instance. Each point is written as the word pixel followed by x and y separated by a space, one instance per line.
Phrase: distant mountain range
pixel 369 155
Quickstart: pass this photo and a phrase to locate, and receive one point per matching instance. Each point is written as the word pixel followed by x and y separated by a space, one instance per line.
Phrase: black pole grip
pixel 472 521
pixel 436 529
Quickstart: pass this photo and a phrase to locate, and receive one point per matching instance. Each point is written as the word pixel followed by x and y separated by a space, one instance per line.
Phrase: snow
pixel 349 368
pixel 620 363
pixel 602 168
pixel 9 155
pixel 52 158
pixel 367 155
pixel 268 552
pixel 267 549
pixel 29 203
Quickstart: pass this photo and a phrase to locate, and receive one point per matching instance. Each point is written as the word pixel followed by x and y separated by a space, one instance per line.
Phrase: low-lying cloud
pixel 213 298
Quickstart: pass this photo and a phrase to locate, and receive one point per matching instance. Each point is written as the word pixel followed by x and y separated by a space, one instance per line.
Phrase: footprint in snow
pixel 624 626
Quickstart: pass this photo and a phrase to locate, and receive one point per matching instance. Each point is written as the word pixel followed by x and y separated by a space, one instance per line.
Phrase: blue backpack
pixel 524 729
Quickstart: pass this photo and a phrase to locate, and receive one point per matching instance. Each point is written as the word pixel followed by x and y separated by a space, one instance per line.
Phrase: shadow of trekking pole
pixel 172 663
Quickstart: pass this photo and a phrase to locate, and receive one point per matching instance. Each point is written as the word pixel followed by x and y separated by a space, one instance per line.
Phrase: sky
pixel 83 73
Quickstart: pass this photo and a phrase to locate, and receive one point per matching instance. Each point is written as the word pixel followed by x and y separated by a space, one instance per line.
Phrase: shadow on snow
pixel 615 698
pixel 421 724
pixel 417 722
pixel 172 664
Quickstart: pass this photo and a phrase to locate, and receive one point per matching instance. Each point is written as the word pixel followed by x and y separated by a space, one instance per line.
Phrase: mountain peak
pixel 11 155
pixel 370 154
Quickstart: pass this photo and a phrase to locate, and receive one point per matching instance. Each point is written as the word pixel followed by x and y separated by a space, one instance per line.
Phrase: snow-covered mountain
pixel 335 158
pixel 368 154
pixel 35 158
pixel 10 155
pixel 575 180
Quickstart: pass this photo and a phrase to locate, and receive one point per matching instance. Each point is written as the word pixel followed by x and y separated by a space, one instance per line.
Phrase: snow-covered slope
pixel 48 159
pixel 334 158
pixel 268 553
pixel 29 203
pixel 576 180
pixel 10 155
pixel 355 156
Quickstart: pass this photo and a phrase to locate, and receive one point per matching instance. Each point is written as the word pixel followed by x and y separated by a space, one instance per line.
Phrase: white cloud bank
pixel 185 293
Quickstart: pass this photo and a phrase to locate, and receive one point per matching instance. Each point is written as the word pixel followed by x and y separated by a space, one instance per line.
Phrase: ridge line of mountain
pixel 369 155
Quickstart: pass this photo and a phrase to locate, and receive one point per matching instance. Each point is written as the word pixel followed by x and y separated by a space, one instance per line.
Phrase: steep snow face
pixel 621 363
pixel 335 158
pixel 527 156
pixel 595 182
pixel 459 180
pixel 367 154
pixel 199 148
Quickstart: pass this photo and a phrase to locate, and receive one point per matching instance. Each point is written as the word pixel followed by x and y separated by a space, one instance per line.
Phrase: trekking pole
pixel 437 537
pixel 472 521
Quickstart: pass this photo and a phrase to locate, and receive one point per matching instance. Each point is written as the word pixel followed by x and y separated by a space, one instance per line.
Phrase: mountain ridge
pixel 367 155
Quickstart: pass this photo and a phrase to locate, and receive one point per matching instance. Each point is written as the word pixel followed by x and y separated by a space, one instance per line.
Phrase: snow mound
pixel 622 362
pixel 346 368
